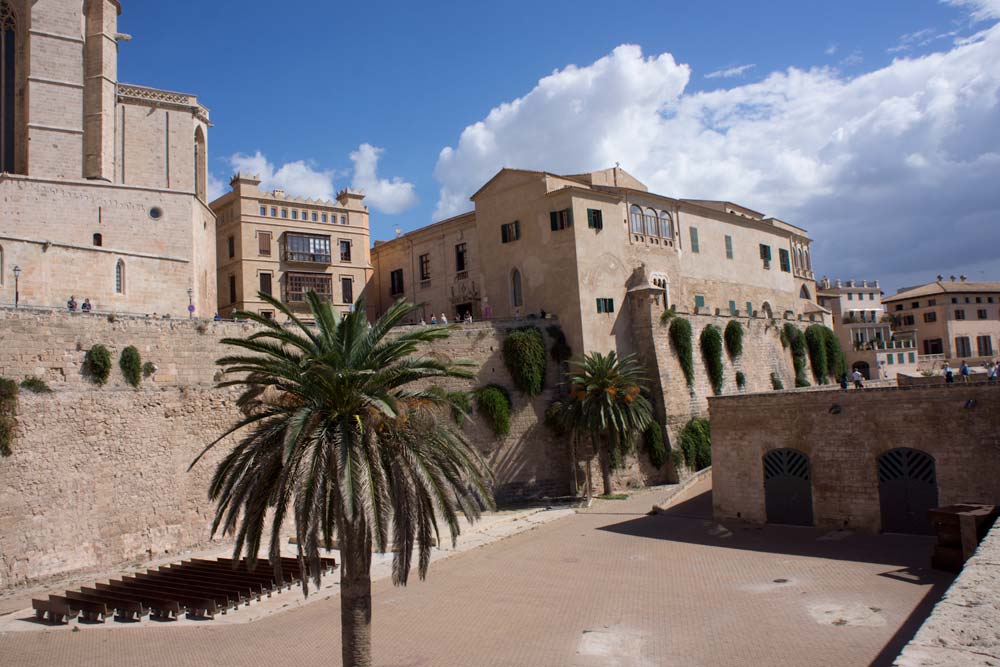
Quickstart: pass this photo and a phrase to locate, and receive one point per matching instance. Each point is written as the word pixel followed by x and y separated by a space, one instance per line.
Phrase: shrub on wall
pixel 656 446
pixel 734 339
pixel 8 410
pixel 776 382
pixel 711 352
pixel 495 404
pixel 668 315
pixel 36 385
pixel 560 351
pixel 836 364
pixel 149 368
pixel 680 339
pixel 741 379
pixel 524 357
pixel 460 405
pixel 816 343
pixel 797 342
pixel 131 364
pixel 696 444
pixel 98 363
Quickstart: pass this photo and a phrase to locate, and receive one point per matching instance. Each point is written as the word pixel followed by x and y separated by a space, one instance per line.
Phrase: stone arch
pixel 12 76
pixel 516 289
pixel 120 276
pixel 200 164
pixel 661 282
pixel 804 293
pixel 788 487
pixel 766 311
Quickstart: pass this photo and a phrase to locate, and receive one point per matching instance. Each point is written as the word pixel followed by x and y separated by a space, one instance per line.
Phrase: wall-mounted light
pixel 835 409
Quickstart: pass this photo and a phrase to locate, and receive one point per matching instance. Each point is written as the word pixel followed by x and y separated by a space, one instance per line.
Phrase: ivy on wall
pixel 741 379
pixel 711 352
pixel 131 364
pixel 776 382
pixel 656 446
pixel 97 362
pixel 8 412
pixel 524 357
pixel 696 444
pixel 680 339
pixel 836 364
pixel 734 339
pixel 816 343
pixel 560 351
pixel 494 403
pixel 797 342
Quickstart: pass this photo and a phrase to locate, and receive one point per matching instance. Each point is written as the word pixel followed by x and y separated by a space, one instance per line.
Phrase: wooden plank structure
pixel 199 587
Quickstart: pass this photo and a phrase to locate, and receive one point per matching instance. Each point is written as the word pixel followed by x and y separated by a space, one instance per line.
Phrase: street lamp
pixel 17 292
pixel 190 304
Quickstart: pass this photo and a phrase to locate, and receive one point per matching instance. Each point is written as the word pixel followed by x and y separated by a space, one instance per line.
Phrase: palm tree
pixel 606 406
pixel 335 432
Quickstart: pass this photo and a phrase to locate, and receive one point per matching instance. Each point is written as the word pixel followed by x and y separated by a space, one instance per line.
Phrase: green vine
pixel 741 379
pixel 8 412
pixel 495 404
pixel 524 356
pixel 98 363
pixel 560 351
pixel 816 343
pixel 696 443
pixel 461 404
pixel 776 382
pixel 836 364
pixel 656 446
pixel 734 339
pixel 36 385
pixel 680 338
pixel 798 344
pixel 711 352
pixel 668 315
pixel 131 364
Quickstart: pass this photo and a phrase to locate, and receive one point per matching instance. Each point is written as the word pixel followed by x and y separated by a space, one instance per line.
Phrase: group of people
pixel 992 372
pixel 467 319
pixel 856 377
pixel 73 306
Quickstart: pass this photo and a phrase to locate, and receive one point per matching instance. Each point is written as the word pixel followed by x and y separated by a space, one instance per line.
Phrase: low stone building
pixel 871 460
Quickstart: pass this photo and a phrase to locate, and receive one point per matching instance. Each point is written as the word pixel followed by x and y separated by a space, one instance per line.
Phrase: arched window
pixel 808 263
pixel 120 277
pixel 797 255
pixel 1 265
pixel 766 310
pixel 666 225
pixel 650 223
pixel 98 240
pixel 804 293
pixel 516 295
pixel 8 72
pixel 635 219
pixel 200 164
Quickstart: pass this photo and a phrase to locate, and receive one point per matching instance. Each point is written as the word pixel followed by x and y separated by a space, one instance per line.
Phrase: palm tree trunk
pixel 355 594
pixel 606 469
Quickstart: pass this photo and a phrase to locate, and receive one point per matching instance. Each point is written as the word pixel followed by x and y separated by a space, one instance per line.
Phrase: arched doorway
pixel 864 368
pixel 766 312
pixel 907 488
pixel 516 293
pixel 788 487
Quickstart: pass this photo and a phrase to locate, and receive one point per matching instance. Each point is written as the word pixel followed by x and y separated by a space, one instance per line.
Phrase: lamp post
pixel 190 304
pixel 17 291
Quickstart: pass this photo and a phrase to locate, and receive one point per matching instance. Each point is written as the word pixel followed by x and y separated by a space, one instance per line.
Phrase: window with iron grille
pixel 396 282
pixel 297 285
pixel 307 248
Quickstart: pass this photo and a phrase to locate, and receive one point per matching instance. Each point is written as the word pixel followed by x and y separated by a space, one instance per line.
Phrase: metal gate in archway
pixel 907 488
pixel 788 487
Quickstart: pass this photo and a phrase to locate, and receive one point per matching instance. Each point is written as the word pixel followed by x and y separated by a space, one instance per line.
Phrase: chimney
pixel 963 278
pixel 940 278
pixel 279 193
pixel 952 278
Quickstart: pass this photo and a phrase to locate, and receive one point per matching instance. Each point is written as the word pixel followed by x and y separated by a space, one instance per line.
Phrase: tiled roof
pixel 944 287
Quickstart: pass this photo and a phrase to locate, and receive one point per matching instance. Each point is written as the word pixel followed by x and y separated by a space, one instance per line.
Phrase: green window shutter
pixel 786 264
pixel 611 305
pixel 732 307
pixel 569 217
pixel 729 247
pixel 503 234
pixel 749 308
pixel 554 220
pixel 913 357
pixel 889 359
pixel 591 223
pixel 517 230
pixel 694 239
pixel 699 301
pixel 600 220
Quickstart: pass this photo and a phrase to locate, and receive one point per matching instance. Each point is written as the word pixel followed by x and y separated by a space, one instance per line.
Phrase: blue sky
pixel 393 84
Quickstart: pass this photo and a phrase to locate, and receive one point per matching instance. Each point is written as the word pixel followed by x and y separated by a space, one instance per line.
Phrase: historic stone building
pixel 575 246
pixel 102 184
pixel 284 246
pixel 865 330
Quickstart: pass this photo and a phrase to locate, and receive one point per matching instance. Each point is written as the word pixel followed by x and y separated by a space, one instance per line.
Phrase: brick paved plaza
pixel 612 586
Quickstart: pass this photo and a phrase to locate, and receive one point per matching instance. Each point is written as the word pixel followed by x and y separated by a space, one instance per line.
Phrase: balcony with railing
pixel 306 249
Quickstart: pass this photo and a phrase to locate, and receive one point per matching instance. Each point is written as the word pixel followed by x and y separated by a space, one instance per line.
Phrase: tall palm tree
pixel 606 406
pixel 336 432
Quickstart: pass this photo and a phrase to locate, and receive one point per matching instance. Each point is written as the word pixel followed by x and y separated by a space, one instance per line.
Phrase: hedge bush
pixel 98 363
pixel 836 364
pixel 8 412
pixel 711 352
pixel 524 357
pixel 776 382
pixel 656 446
pixel 131 364
pixel 495 404
pixel 741 379
pixel 816 343
pixel 36 385
pixel 798 344
pixel 680 339
pixel 734 339
pixel 560 351
pixel 460 405
pixel 696 443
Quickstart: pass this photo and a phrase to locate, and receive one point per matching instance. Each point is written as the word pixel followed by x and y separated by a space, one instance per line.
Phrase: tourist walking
pixel 858 379
pixel 964 372
pixel 843 382
pixel 949 376
pixel 434 319
pixel 992 372
pixel 444 319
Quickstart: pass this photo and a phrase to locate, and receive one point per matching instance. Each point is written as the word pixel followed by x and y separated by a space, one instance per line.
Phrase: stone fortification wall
pixel 843 433
pixel 98 474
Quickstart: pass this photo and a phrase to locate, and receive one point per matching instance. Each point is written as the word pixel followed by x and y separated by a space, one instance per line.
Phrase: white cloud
pixel 893 172
pixel 852 59
pixel 216 187
pixel 384 195
pixel 297 179
pixel 832 49
pixel 729 72
pixel 911 39
pixel 980 10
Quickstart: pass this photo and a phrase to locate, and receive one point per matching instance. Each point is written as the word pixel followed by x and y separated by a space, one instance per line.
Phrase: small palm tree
pixel 606 406
pixel 335 432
